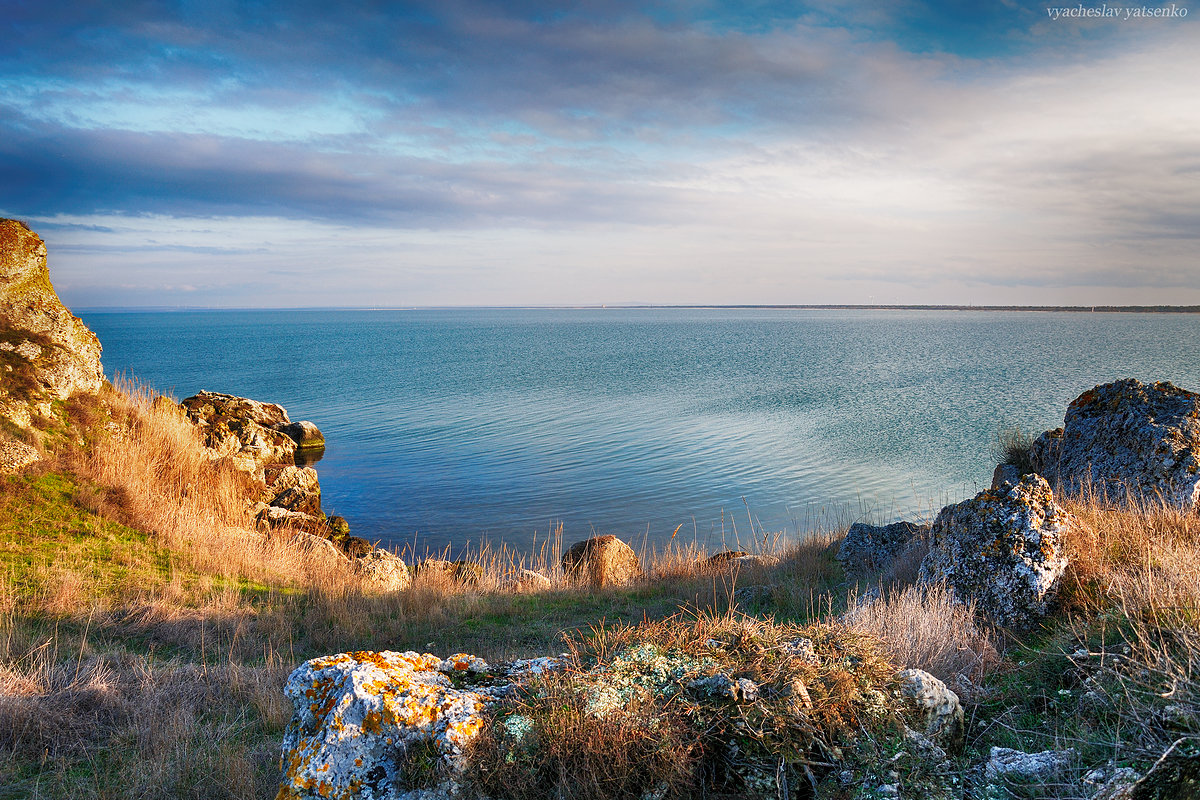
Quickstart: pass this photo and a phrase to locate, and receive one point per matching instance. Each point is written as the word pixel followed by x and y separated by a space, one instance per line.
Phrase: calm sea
pixel 449 427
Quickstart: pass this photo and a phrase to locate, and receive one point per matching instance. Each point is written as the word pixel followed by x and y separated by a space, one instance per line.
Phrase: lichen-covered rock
pixel 1002 549
pixel 46 353
pixel 383 571
pixel 359 715
pixel 1127 439
pixel 938 706
pixel 467 573
pixel 868 549
pixel 601 561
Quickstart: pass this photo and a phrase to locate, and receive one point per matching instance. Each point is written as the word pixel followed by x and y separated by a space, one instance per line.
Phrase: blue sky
pixel 466 153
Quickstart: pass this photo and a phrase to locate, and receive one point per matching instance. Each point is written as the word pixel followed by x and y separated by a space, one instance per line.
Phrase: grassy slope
pixel 143 642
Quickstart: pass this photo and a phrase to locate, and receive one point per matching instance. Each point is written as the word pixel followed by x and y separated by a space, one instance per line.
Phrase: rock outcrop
pixel 1127 440
pixel 601 561
pixel 1002 550
pixel 868 549
pixel 46 353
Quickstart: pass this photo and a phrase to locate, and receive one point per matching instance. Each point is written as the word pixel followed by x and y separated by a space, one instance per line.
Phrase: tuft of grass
pixel 1012 446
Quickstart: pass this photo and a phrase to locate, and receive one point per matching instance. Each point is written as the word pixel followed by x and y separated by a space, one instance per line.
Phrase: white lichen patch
pixel 643 669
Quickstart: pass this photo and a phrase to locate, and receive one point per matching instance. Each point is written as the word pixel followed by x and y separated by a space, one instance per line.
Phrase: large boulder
pixel 601 561
pixel 46 353
pixel 1127 440
pixel 868 549
pixel 1001 549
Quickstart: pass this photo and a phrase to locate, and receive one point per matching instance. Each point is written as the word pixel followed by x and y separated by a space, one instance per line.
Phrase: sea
pixel 452 429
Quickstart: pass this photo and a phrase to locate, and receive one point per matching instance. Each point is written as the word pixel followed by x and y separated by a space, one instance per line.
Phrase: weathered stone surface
pixel 868 549
pixel 271 517
pixel 1005 473
pixel 1127 439
pixel 528 580
pixel 1010 773
pixel 601 561
pixel 357 715
pixel 16 456
pixel 46 353
pixel 242 430
pixel 1002 549
pixel 383 571
pixel 938 705
pixel 294 488
pixel 316 546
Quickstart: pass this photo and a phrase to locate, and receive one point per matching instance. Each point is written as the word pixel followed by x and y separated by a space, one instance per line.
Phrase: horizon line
pixel 1098 308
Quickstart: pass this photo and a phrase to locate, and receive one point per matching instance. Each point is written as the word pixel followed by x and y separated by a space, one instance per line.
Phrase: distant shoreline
pixel 635 306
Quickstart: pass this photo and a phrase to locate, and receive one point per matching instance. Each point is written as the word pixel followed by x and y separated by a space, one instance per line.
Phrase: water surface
pixel 448 426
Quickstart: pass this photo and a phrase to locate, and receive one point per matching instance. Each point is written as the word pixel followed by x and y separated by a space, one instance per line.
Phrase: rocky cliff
pixel 46 352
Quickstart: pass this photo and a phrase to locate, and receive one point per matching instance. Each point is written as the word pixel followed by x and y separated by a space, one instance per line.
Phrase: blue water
pixel 448 427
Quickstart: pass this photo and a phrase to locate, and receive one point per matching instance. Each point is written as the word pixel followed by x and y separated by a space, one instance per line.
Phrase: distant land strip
pixel 796 306
pixel 835 307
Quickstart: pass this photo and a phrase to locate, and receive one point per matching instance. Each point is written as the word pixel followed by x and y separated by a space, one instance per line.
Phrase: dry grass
pixel 925 628
pixel 659 737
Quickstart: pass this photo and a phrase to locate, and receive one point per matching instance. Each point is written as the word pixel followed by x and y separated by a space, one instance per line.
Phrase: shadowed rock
pixel 868 549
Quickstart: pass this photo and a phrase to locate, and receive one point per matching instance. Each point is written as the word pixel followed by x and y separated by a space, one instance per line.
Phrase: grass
pixel 146 629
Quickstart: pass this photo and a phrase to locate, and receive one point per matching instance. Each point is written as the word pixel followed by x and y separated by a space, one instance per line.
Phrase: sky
pixel 461 153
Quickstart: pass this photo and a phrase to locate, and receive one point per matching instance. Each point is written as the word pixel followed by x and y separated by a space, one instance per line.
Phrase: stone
pixel 1127 440
pixel 16 456
pixel 1007 770
pixel 1001 550
pixel 305 434
pixel 353 546
pixel 382 571
pixel 242 430
pixel 464 572
pixel 1005 473
pixel 272 517
pixel 316 546
pixel 294 488
pixel 601 561
pixel 358 715
pixel 46 352
pixel 528 581
pixel 868 549
pixel 719 561
pixel 938 706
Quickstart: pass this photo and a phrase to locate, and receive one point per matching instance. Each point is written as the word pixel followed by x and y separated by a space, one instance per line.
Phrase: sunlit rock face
pixel 46 352
pixel 362 718
pixel 1127 440
pixel 1001 549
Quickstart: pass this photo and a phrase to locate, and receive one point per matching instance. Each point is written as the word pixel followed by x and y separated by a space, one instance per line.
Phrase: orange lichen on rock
pixel 357 713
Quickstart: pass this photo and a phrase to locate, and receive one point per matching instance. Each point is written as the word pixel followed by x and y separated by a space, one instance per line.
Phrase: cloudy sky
pixel 464 153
